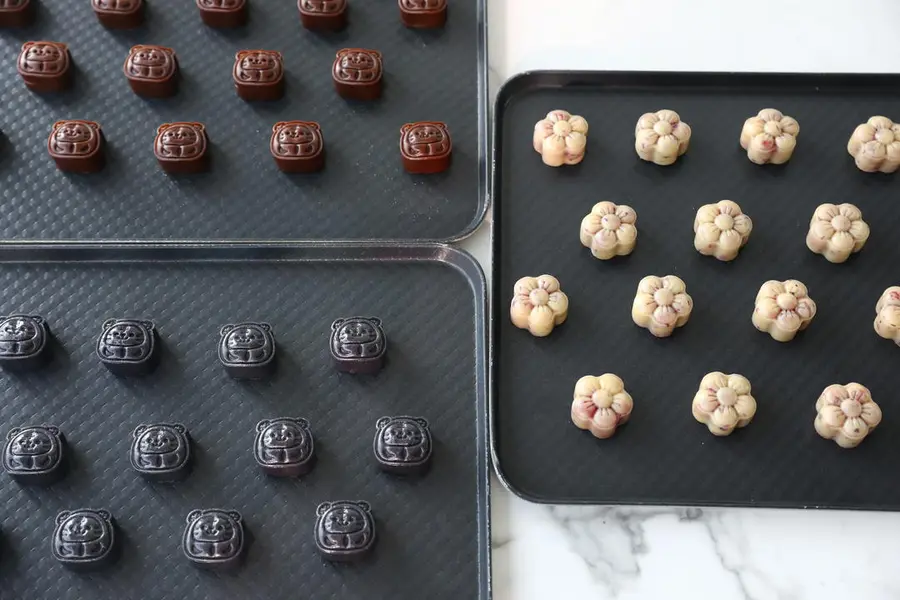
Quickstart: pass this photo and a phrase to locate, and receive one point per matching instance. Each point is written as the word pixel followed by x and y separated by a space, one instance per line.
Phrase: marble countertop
pixel 627 553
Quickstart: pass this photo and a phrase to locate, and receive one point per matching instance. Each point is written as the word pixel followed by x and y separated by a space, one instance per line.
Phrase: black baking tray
pixel 663 456
pixel 432 532
pixel 363 192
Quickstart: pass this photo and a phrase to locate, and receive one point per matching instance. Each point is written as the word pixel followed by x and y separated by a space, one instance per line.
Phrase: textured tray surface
pixel 363 193
pixel 432 537
pixel 663 455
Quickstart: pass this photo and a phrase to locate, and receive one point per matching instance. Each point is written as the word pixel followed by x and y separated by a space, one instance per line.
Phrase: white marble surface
pixel 549 553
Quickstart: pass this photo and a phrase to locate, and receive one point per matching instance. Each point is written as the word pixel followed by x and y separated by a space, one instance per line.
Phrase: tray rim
pixel 523 82
pixel 292 252
pixel 483 181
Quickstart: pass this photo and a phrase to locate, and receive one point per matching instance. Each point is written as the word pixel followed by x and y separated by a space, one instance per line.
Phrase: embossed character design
pixel 161 451
pixel 345 530
pixel 214 538
pixel 84 539
pixel 284 447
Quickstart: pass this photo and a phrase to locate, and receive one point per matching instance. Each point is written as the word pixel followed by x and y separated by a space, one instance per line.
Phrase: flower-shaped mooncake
pixel 661 304
pixel 723 403
pixel 661 137
pixel 770 137
pixel 846 414
pixel 837 231
pixel 887 315
pixel 561 138
pixel 609 230
pixel 538 305
pixel 782 309
pixel 601 404
pixel 876 145
pixel 721 230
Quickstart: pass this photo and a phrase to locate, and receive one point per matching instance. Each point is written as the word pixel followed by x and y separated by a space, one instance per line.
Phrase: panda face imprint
pixel 82 529
pixel 213 528
pixel 47 58
pixel 402 433
pixel 180 135
pixel 282 436
pixel 17 329
pixel 31 442
pixel 158 440
pixel 344 520
pixel 74 138
pixel 246 338
pixel 258 66
pixel 125 334
pixel 357 332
